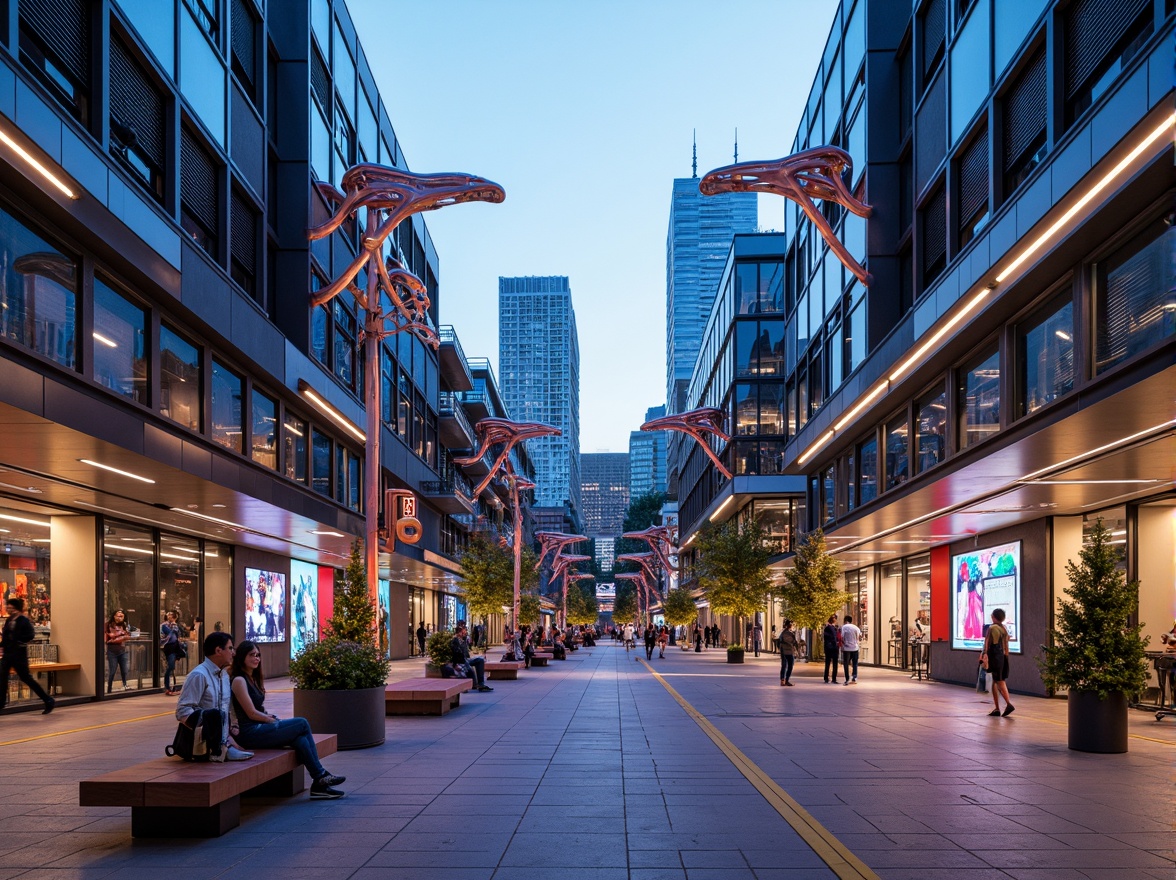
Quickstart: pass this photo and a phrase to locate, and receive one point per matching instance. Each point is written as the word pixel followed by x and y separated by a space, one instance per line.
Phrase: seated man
pixel 558 651
pixel 460 647
pixel 208 686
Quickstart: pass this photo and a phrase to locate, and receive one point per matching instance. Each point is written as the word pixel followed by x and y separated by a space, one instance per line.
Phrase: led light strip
pixel 975 301
pixel 330 411
pixel 115 470
pixel 41 169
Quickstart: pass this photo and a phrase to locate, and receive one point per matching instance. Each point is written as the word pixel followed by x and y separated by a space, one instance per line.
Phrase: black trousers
pixel 17 660
pixel 830 662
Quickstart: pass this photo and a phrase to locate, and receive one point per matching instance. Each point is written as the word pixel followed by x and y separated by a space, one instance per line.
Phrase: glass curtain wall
pixel 860 585
pixel 128 579
pixel 918 605
pixel 890 612
pixel 179 592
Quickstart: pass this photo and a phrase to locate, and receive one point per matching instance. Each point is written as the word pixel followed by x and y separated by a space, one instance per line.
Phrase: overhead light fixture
pixel 329 411
pixel 1093 482
pixel 1063 335
pixel 115 470
pixel 918 354
pixel 32 161
pixel 722 507
pixel 32 490
pixel 22 519
pixel 145 551
pixel 328 533
pixel 203 516
pixel 1122 441
pixel 105 340
pixel 1106 180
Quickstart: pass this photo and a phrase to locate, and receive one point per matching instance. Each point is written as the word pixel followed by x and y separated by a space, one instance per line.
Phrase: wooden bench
pixel 503 670
pixel 541 658
pixel 425 696
pixel 51 668
pixel 173 798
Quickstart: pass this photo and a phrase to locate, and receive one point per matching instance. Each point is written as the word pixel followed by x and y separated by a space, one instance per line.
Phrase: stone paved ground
pixel 590 769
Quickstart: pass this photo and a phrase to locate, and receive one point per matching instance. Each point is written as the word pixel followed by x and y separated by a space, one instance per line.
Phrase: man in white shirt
pixel 850 645
pixel 208 687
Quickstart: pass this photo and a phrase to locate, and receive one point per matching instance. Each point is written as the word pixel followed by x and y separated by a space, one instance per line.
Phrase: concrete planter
pixel 432 671
pixel 735 656
pixel 1097 725
pixel 356 716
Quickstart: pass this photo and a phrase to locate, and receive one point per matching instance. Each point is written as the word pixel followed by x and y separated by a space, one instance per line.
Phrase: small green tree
pixel 582 606
pixel 354 616
pixel 810 592
pixel 529 608
pixel 1095 646
pixel 733 569
pixel 679 608
pixel 488 584
pixel 644 511
pixel 625 607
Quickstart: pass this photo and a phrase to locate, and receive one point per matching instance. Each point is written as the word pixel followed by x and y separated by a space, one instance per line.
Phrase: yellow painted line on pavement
pixel 1163 742
pixel 832 851
pixel 13 742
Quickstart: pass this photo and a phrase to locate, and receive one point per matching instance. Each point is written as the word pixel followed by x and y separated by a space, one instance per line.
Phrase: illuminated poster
pixel 982 581
pixel 303 605
pixel 383 618
pixel 265 605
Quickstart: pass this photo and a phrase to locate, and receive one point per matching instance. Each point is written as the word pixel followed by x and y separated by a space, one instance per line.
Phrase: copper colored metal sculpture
pixel 642 581
pixel 563 568
pixel 661 540
pixel 389 196
pixel 503 431
pixel 554 541
pixel 810 174
pixel 697 423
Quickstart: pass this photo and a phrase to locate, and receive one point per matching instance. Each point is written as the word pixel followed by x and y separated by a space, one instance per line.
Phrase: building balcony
pixel 449 495
pixel 455 369
pixel 455 429
pixel 476 404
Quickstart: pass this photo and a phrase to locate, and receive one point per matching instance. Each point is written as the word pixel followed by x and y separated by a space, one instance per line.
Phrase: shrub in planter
pixel 1097 653
pixel 337 665
pixel 437 648
pixel 735 654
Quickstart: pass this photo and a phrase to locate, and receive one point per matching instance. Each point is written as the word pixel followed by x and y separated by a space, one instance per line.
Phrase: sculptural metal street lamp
pixel 816 173
pixel 562 568
pixel 388 196
pixel 662 542
pixel 491 431
pixel 697 423
pixel 639 577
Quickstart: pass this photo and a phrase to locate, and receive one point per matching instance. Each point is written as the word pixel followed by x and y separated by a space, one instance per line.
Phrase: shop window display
pixel 128 576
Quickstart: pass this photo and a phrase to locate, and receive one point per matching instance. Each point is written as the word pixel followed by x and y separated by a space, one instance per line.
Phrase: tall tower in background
pixel 539 363
pixel 647 458
pixel 700 233
pixel 604 488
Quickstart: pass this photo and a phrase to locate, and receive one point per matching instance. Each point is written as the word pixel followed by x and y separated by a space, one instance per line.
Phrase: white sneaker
pixel 234 754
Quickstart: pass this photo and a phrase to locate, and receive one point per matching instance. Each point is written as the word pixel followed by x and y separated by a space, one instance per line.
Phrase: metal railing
pixel 447 485
pixel 449 405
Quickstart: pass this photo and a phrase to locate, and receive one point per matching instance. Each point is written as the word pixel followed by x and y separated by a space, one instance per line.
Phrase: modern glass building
pixel 1006 379
pixel 539 357
pixel 647 457
pixel 182 430
pixel 604 491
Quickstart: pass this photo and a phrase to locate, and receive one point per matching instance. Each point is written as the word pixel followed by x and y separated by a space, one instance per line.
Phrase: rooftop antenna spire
pixel 694 165
pixel 736 145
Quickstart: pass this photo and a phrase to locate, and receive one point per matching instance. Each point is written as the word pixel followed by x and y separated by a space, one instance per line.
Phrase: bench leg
pixel 286 785
pixel 414 707
pixel 186 821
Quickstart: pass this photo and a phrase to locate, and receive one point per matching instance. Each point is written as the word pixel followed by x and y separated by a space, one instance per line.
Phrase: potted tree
pixel 1097 654
pixel 488 581
pixel 733 572
pixel 339 680
pixel 810 591
pixel 438 652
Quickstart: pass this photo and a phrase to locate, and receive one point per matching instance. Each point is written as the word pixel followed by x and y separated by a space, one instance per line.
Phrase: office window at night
pixel 180 391
pixel 138 116
pixel 933 227
pixel 199 193
pixel 264 434
pixel 769 349
pixel 294 446
pixel 38 293
pixel 771 408
pixel 867 476
pixel 55 46
pixel 897 451
pixel 227 397
pixel 354 481
pixel 1024 107
pixel 931 429
pixel 973 188
pixel 320 451
pixel 120 344
pixel 828 496
pixel 851 480
pixel 341 480
pixel 1045 354
pixel 1101 39
pixel 979 399
pixel 244 222
pixel 1135 297
pixel 746 349
pixel 343 338
pixel 746 457
pixel 771 287
pixel 746 288
pixel 746 408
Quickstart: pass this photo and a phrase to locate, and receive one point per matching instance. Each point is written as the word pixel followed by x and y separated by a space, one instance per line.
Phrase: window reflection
pixel 1135 299
pixel 867 455
pixel 931 424
pixel 897 449
pixel 179 379
pixel 38 298
pixel 321 462
pixel 1047 357
pixel 265 425
pixel 227 395
pixel 979 396
pixel 120 357
pixel 294 443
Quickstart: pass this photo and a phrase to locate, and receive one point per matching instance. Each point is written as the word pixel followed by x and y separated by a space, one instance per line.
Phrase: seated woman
pixel 254 728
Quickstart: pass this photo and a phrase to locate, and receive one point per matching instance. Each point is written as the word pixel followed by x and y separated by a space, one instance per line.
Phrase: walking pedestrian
pixel 831 635
pixel 850 644
pixel 14 647
pixel 116 634
pixel 996 653
pixel 663 639
pixel 772 646
pixel 757 636
pixel 650 640
pixel 788 645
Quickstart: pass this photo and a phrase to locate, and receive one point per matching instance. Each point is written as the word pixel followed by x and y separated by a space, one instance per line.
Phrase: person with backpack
pixel 259 729
pixel 996 660
pixel 14 645
pixel 208 688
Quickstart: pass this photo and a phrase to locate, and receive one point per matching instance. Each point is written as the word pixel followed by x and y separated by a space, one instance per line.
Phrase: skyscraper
pixel 647 457
pixel 701 228
pixel 539 362
pixel 604 489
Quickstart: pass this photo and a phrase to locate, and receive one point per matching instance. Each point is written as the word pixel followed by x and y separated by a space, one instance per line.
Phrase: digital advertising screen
pixel 983 580
pixel 304 626
pixel 265 605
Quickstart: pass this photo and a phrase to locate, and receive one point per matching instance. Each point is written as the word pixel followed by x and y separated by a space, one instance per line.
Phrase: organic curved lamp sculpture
pixel 697 423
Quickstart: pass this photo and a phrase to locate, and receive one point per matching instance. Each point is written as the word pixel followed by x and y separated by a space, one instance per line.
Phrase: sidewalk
pixel 590 768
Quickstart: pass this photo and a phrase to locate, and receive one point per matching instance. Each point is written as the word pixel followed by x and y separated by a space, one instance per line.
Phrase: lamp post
pixel 492 431
pixel 562 568
pixel 555 543
pixel 388 196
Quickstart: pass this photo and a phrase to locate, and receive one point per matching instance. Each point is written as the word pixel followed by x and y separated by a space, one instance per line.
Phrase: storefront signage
pixel 984 580
pixel 265 605
pixel 303 605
